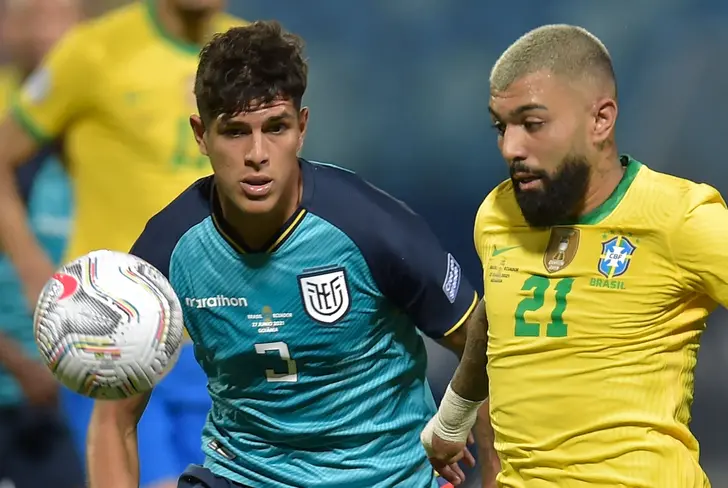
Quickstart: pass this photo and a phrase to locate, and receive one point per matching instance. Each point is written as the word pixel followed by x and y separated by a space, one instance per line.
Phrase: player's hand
pixel 445 455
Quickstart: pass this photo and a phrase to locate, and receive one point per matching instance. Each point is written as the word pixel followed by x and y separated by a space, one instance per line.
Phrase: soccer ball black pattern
pixel 108 325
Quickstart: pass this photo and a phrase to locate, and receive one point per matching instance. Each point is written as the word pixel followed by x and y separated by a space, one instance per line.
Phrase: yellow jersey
pixel 594 331
pixel 119 92
pixel 8 84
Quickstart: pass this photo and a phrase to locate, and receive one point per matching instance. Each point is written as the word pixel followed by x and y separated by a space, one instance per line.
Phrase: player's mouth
pixel 256 186
pixel 527 181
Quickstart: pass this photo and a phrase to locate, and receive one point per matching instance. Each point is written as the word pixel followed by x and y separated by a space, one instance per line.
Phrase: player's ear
pixel 605 118
pixel 302 126
pixel 198 128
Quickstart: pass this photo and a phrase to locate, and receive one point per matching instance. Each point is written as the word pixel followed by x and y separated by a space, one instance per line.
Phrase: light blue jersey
pixel 314 359
pixel 49 209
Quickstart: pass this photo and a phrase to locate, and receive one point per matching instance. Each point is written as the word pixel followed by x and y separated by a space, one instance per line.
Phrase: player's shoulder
pixel 499 209
pixel 127 19
pixel 165 229
pixel 344 198
pixel 673 193
pixel 98 38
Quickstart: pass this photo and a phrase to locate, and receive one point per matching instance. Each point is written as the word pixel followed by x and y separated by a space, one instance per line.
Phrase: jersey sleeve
pixel 60 89
pixel 699 244
pixel 422 278
pixel 479 239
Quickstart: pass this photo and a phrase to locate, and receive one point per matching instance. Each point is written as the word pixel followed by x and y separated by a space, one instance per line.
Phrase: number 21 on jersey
pixel 539 286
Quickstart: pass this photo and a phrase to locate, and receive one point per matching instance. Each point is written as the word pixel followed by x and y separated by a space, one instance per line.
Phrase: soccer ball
pixel 108 325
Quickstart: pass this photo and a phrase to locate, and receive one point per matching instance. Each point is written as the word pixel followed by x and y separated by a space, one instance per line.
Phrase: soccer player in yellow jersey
pixel 599 275
pixel 117 92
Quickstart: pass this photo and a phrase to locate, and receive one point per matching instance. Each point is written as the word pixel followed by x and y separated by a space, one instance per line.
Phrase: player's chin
pixel 257 205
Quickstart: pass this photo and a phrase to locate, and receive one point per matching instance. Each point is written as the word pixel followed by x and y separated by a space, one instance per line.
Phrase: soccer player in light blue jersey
pixel 305 291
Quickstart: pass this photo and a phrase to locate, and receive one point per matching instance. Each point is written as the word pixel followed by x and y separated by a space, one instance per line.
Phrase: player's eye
pixel 499 127
pixel 532 126
pixel 277 128
pixel 235 132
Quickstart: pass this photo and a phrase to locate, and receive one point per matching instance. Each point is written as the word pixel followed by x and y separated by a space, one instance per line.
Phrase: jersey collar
pixel 179 44
pixel 632 167
pixel 286 231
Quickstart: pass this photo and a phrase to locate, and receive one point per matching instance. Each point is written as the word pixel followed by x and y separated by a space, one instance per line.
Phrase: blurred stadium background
pixel 398 92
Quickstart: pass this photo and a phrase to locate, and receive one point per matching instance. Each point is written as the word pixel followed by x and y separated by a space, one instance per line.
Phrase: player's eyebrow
pixel 279 118
pixel 519 110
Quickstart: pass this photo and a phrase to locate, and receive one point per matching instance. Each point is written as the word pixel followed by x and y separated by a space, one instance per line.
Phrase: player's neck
pixel 603 181
pixel 192 28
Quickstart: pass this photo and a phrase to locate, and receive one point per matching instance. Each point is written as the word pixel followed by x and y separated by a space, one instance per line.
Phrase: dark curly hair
pixel 249 66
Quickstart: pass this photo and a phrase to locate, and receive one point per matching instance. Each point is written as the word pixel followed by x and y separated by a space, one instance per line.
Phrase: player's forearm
pixel 487 455
pixel 16 237
pixel 471 378
pixel 112 450
pixel 34 379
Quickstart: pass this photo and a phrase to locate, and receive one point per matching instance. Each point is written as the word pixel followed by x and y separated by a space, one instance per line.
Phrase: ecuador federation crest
pixel 616 255
pixel 562 247
pixel 325 294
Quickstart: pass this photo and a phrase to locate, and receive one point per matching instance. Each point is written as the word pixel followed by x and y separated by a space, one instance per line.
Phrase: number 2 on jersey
pixel 539 285
pixel 291 375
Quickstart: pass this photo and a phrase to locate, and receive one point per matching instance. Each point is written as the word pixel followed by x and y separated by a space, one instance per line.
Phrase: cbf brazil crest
pixel 616 255
pixel 325 294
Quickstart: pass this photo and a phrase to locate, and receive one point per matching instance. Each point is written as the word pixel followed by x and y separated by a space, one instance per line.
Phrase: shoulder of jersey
pixel 499 209
pixel 335 185
pixel 100 36
pixel 668 192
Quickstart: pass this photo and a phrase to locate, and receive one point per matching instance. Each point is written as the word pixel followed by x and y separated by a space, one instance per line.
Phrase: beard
pixel 562 196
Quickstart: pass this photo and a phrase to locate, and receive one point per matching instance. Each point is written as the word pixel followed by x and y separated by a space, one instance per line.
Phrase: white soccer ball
pixel 108 325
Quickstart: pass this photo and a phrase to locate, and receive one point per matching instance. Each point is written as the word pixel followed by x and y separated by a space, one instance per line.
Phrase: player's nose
pixel 257 151
pixel 513 144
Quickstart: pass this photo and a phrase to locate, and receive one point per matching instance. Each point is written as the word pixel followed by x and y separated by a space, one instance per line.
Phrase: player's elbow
pixel 16 145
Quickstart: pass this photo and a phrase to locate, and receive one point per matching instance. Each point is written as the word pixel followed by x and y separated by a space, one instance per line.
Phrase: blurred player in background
pixel 117 91
pixel 320 282
pixel 612 270
pixel 36 448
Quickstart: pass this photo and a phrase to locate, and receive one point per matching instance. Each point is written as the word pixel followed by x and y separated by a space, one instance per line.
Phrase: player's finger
pixel 455 467
pixel 471 438
pixel 450 475
pixel 468 458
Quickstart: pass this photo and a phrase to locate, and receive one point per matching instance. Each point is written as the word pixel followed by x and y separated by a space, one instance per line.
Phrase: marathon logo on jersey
pixel 325 294
pixel 451 285
pixel 216 301
pixel 616 255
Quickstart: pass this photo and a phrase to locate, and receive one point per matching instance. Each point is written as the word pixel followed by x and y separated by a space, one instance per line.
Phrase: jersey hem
pixel 27 123
pixel 465 316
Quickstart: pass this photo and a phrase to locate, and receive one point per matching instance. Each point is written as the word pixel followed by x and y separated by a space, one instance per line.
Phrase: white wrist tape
pixel 456 417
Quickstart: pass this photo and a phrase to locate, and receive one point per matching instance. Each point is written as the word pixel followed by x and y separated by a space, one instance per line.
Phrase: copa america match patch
pixel 451 286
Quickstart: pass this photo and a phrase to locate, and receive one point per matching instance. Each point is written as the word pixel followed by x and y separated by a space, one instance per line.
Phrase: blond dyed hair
pixel 565 50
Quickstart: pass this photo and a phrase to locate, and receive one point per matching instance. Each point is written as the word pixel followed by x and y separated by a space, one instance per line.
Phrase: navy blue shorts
pixel 36 450
pixel 198 477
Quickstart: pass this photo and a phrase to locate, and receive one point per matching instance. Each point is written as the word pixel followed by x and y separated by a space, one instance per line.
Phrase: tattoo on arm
pixel 471 379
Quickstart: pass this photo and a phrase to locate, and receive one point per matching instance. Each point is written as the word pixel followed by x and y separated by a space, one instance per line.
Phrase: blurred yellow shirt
pixel 8 84
pixel 594 330
pixel 118 91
